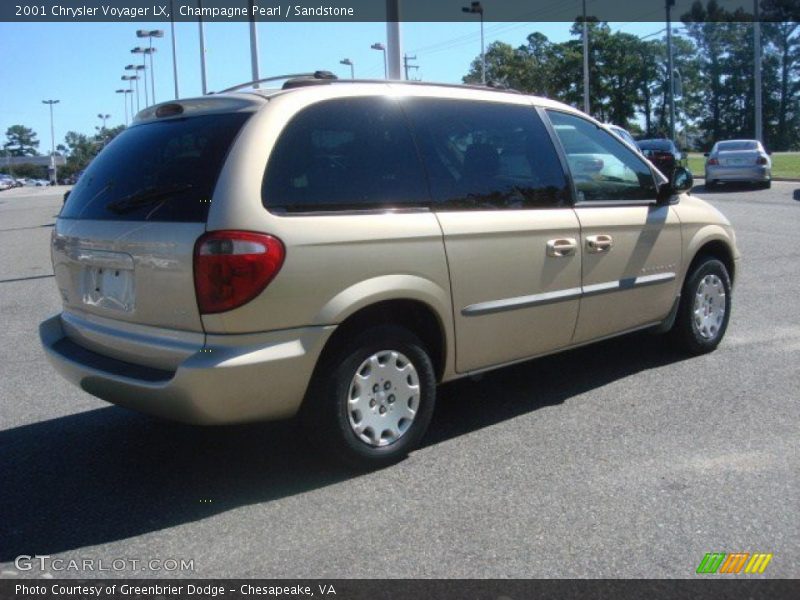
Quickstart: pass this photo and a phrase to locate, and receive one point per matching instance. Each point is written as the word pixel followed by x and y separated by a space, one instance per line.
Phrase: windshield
pixel 736 146
pixel 158 171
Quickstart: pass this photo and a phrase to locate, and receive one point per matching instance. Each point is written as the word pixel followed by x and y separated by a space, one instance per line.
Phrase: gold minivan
pixel 335 249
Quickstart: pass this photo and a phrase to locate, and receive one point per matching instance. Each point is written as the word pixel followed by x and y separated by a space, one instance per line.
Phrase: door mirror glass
pixel 680 181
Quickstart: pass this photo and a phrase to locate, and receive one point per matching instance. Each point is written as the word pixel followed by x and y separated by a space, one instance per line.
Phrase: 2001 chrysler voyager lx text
pixel 335 249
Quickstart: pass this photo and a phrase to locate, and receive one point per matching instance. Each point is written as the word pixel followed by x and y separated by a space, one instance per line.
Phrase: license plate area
pixel 107 280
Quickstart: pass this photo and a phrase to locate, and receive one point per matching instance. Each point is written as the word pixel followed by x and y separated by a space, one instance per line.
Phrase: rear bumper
pixel 749 173
pixel 232 379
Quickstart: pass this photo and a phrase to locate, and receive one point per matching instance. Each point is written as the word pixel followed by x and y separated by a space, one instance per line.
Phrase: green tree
pixel 21 141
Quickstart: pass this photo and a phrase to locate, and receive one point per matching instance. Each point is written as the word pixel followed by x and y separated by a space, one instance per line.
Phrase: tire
pixel 383 366
pixel 766 184
pixel 702 331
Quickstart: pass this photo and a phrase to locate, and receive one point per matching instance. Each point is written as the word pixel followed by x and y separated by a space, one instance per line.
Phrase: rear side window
pixel 486 155
pixel 345 153
pixel 158 171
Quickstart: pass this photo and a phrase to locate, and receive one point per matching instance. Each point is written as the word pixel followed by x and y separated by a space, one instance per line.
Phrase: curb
pixel 790 179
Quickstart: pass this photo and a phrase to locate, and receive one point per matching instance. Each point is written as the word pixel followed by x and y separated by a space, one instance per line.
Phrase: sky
pixel 80 64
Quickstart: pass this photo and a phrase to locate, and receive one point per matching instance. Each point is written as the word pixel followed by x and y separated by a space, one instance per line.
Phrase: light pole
pixel 757 74
pixel 52 140
pixel 475 8
pixel 174 46
pixel 382 48
pixel 202 27
pixel 125 102
pixel 255 70
pixel 103 118
pixel 137 68
pixel 143 52
pixel 585 61
pixel 349 63
pixel 130 79
pixel 670 75
pixel 150 34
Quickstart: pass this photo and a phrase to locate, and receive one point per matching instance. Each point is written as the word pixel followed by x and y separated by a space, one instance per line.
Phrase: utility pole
pixel 202 27
pixel 407 65
pixel 52 140
pixel 394 49
pixel 585 62
pixel 670 75
pixel 174 47
pixel 254 66
pixel 757 75
pixel 476 8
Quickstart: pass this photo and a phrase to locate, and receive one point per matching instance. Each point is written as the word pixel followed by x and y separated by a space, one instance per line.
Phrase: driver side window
pixel 602 168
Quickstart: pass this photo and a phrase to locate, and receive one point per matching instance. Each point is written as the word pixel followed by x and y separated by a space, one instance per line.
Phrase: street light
pixel 103 118
pixel 150 34
pixel 137 68
pixel 475 8
pixel 348 62
pixel 125 102
pixel 52 140
pixel 130 79
pixel 144 52
pixel 382 48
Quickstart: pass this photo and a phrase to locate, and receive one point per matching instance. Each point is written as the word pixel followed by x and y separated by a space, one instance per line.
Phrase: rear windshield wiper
pixel 145 197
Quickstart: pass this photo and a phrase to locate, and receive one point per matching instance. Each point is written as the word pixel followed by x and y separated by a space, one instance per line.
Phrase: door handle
pixel 597 244
pixel 561 247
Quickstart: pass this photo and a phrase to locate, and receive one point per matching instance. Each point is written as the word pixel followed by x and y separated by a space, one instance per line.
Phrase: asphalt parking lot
pixel 622 459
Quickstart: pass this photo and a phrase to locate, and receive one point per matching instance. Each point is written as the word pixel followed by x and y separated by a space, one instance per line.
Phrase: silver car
pixel 738 160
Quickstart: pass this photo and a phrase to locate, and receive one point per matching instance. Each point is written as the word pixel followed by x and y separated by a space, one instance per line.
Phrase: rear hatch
pixel 123 244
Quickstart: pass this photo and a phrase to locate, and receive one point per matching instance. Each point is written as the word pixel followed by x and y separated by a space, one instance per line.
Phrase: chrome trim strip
pixel 495 306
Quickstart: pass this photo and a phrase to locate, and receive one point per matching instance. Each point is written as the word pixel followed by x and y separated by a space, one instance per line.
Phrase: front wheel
pixel 372 398
pixel 705 307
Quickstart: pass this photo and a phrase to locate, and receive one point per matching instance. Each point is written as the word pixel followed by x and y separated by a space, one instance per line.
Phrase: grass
pixel 784 164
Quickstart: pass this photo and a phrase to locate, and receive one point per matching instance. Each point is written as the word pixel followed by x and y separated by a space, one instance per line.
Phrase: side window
pixel 487 155
pixel 346 153
pixel 602 168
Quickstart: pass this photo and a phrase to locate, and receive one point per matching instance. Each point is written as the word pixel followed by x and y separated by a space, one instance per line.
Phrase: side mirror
pixel 769 152
pixel 66 195
pixel 706 153
pixel 680 181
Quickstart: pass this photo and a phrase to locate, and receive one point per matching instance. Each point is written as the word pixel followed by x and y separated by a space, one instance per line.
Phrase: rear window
pixel 736 146
pixel 662 145
pixel 159 171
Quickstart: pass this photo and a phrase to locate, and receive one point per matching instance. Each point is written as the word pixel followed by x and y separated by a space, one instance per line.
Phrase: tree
pixel 21 141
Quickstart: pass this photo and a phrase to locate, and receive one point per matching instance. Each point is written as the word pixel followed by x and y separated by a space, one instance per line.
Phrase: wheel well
pixel 719 250
pixel 417 317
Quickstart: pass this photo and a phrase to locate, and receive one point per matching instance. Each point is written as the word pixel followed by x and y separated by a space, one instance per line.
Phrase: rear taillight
pixel 762 160
pixel 713 161
pixel 233 267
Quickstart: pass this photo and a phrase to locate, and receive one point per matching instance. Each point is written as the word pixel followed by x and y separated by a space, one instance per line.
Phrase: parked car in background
pixel 623 133
pixel 334 250
pixel 664 154
pixel 6 183
pixel 738 160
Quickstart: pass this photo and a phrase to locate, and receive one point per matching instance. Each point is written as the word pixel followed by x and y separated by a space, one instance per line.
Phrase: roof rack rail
pixel 321 75
pixel 490 86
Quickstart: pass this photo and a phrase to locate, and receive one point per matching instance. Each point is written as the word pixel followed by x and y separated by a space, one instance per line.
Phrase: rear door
pixel 631 247
pixel 123 243
pixel 511 237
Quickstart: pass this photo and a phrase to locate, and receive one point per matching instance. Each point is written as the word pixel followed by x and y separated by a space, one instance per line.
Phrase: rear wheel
pixel 705 307
pixel 372 398
pixel 766 184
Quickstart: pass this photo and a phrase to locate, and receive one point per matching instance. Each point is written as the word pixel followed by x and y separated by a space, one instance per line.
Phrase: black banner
pixel 366 10
pixel 394 589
